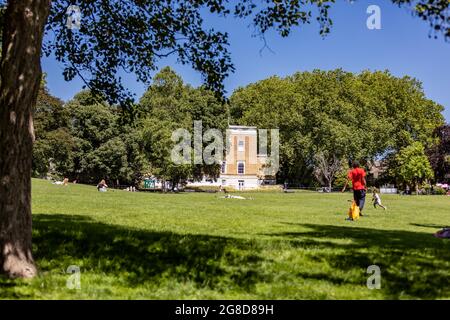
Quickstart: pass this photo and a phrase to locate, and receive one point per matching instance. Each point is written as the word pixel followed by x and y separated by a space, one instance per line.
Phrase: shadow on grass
pixel 136 257
pixel 429 225
pixel 413 264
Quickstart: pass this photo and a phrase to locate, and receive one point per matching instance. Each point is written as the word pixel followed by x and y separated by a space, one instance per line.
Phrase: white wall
pixel 249 182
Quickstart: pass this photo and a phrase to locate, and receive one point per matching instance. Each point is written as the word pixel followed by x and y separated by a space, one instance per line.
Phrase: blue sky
pixel 402 46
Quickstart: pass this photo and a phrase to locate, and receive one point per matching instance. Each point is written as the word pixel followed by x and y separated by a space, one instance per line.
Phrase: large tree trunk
pixel 20 72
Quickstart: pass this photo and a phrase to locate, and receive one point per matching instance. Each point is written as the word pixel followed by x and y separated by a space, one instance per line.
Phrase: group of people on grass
pixel 101 186
pixel 357 176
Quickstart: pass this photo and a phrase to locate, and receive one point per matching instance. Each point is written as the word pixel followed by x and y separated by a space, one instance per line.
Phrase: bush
pixel 341 178
pixel 439 191
pixel 428 189
pixel 203 188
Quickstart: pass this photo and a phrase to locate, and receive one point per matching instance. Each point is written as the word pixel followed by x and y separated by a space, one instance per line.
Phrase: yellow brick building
pixel 242 168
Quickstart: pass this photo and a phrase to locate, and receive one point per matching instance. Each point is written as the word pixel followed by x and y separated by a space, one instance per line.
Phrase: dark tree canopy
pixel 439 154
pixel 435 12
pixel 133 35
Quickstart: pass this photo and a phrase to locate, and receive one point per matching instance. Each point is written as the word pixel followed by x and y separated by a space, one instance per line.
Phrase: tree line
pixel 87 139
pixel 329 118
pixel 326 119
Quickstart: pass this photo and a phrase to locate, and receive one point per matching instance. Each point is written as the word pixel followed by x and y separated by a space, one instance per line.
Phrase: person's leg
pixel 357 197
pixel 362 200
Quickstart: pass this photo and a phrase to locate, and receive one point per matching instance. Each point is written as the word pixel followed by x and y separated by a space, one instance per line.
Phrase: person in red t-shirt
pixel 358 178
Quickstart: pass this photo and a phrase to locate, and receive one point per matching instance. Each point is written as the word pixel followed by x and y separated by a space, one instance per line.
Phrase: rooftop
pixel 233 127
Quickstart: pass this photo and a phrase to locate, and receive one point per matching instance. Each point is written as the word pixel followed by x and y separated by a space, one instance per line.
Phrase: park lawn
pixel 200 246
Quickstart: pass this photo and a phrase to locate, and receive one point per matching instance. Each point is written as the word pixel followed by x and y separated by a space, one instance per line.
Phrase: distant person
pixel 443 234
pixel 223 189
pixel 376 199
pixel 102 186
pixel 61 183
pixel 358 178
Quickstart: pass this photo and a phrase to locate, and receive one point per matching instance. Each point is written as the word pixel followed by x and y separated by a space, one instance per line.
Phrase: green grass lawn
pixel 199 246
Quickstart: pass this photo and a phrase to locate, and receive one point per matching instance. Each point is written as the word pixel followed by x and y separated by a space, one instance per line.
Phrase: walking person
pixel 376 199
pixel 358 178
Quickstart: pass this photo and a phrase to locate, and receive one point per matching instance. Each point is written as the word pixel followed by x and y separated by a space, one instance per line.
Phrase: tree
pixel 54 154
pixel 104 148
pixel 83 140
pixel 169 105
pixel 2 17
pixel 108 161
pixel 439 154
pixel 326 167
pixel 54 144
pixel 20 73
pixel 351 116
pixel 49 113
pixel 435 12
pixel 157 136
pixel 138 165
pixel 128 35
pixel 341 177
pixel 412 165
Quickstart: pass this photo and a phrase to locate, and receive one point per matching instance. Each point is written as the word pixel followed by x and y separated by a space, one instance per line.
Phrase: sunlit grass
pixel 200 246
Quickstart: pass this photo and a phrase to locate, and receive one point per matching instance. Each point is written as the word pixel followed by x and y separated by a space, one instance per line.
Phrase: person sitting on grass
pixel 376 199
pixel 443 234
pixel 102 186
pixel 61 183
pixel 358 178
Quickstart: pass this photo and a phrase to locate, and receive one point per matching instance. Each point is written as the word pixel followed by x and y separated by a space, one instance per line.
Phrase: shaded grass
pixel 192 246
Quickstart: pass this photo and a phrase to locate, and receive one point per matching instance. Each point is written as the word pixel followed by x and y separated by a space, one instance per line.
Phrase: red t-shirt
pixel 357 175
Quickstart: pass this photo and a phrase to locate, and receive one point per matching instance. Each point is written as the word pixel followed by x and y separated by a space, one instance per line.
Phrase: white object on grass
pixel 229 196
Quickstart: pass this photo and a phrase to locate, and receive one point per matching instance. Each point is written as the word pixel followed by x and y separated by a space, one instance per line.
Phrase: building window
pixel 224 182
pixel 241 184
pixel 241 145
pixel 223 169
pixel 241 167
